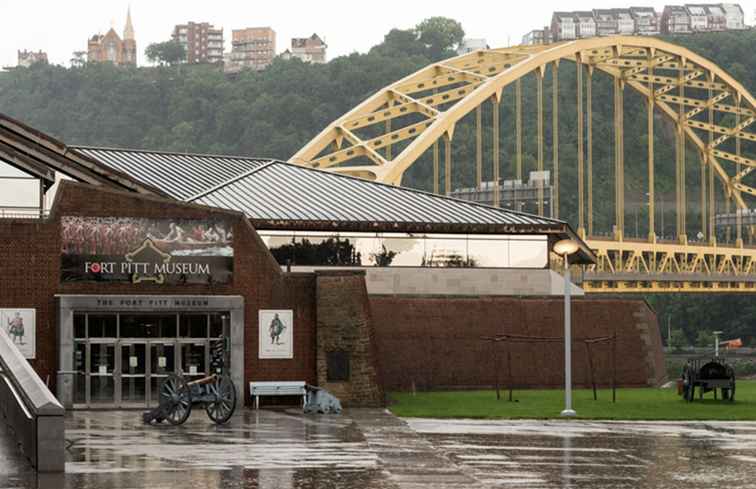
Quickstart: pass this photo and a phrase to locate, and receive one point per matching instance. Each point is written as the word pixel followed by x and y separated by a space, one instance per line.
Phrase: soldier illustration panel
pixel 20 326
pixel 127 249
pixel 276 334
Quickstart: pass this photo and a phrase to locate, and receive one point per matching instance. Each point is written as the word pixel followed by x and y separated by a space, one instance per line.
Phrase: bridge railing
pixel 33 414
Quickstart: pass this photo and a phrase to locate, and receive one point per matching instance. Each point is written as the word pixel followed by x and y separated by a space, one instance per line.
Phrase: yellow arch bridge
pixel 703 112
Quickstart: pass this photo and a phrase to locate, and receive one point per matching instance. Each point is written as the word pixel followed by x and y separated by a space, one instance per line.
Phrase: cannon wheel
pixel 221 410
pixel 175 394
pixel 731 389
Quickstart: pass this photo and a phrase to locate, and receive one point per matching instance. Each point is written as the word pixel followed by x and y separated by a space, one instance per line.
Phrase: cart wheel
pixel 175 394
pixel 221 410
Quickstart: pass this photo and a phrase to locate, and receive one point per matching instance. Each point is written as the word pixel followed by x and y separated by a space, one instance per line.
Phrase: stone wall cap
pixel 336 273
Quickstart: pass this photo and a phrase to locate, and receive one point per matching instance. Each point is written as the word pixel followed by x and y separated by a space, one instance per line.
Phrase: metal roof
pixel 281 191
pixel 180 175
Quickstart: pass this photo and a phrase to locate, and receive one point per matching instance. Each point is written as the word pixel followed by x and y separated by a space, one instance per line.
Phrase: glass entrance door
pixel 162 363
pixel 133 374
pixel 103 366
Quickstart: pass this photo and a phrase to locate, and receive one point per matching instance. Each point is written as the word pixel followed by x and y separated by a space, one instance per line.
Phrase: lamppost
pixel 565 248
pixel 716 342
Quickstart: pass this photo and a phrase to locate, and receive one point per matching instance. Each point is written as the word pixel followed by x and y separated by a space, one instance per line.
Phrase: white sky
pixel 61 27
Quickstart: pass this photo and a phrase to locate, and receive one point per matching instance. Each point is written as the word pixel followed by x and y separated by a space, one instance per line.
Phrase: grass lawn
pixel 632 404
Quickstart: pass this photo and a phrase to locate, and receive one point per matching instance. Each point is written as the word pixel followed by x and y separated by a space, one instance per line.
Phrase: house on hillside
pixel 646 21
pixel 699 18
pixel 675 20
pixel 716 18
pixel 625 21
pixel 563 26
pixel 585 24
pixel 606 22
pixel 734 16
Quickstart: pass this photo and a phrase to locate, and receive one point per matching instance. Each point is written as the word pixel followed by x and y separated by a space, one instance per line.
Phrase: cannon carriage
pixel 708 375
pixel 216 392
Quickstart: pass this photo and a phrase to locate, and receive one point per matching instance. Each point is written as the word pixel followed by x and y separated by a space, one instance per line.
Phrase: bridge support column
pixel 580 150
pixel 619 164
pixel 589 142
pixel 435 168
pixel 495 143
pixel 478 146
pixel 681 146
pixel 539 76
pixel 651 183
pixel 555 137
pixel 518 140
pixel 447 164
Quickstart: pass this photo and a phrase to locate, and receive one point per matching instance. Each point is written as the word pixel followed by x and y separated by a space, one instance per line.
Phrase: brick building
pixel 203 42
pixel 252 48
pixel 111 47
pixel 146 256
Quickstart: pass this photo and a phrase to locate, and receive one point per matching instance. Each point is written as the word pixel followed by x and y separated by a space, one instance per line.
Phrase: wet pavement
pixel 584 454
pixel 374 450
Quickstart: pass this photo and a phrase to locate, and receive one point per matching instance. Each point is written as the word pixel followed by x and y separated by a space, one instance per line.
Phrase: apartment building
pixel 253 48
pixel 203 42
pixel 716 18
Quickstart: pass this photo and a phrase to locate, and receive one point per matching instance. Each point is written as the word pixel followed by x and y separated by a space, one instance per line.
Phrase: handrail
pixel 31 411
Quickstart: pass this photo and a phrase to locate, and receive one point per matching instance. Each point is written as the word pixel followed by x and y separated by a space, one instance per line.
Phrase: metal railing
pixel 23 213
pixel 32 413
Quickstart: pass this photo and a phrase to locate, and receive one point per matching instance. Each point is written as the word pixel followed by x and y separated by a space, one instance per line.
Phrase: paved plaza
pixel 373 449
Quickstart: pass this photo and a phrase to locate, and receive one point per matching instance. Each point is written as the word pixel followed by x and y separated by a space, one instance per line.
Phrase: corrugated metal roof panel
pixel 286 192
pixel 180 175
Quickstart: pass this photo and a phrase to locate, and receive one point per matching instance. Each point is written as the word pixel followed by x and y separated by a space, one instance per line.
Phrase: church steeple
pixel 128 31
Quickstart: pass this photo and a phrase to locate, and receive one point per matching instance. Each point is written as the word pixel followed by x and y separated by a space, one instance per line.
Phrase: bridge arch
pixel 690 90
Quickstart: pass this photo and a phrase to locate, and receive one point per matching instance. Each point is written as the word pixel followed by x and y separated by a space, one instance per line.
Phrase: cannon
pixel 216 392
pixel 708 376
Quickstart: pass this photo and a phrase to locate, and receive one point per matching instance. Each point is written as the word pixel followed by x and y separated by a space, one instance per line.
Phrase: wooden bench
pixel 276 388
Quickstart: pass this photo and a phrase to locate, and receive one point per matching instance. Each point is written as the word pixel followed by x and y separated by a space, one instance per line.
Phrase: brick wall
pixel 435 342
pixel 30 265
pixel 345 324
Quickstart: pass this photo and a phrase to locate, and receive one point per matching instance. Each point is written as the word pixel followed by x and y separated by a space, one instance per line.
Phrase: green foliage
pixel 678 340
pixel 440 35
pixel 704 339
pixel 166 53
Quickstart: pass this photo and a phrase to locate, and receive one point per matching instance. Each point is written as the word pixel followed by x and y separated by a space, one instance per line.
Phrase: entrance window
pixel 103 326
pixel 193 326
pixel 80 326
pixel 216 325
pixel 148 326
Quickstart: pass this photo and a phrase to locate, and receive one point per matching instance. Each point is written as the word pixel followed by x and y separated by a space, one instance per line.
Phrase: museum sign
pixel 137 250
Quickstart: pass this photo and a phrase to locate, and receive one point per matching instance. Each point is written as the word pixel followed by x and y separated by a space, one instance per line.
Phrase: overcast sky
pixel 61 27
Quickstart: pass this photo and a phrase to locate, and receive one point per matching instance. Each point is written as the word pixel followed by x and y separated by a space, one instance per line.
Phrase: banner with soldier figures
pixel 20 325
pixel 276 333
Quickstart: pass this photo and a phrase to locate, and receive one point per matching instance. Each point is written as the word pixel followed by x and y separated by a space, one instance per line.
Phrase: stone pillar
pixel 346 339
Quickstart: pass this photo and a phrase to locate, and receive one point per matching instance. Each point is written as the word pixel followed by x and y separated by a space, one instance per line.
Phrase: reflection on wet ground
pixel 374 450
pixel 534 454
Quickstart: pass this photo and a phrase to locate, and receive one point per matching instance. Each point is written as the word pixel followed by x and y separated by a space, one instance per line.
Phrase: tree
pixel 679 341
pixel 440 35
pixel 704 339
pixel 169 52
